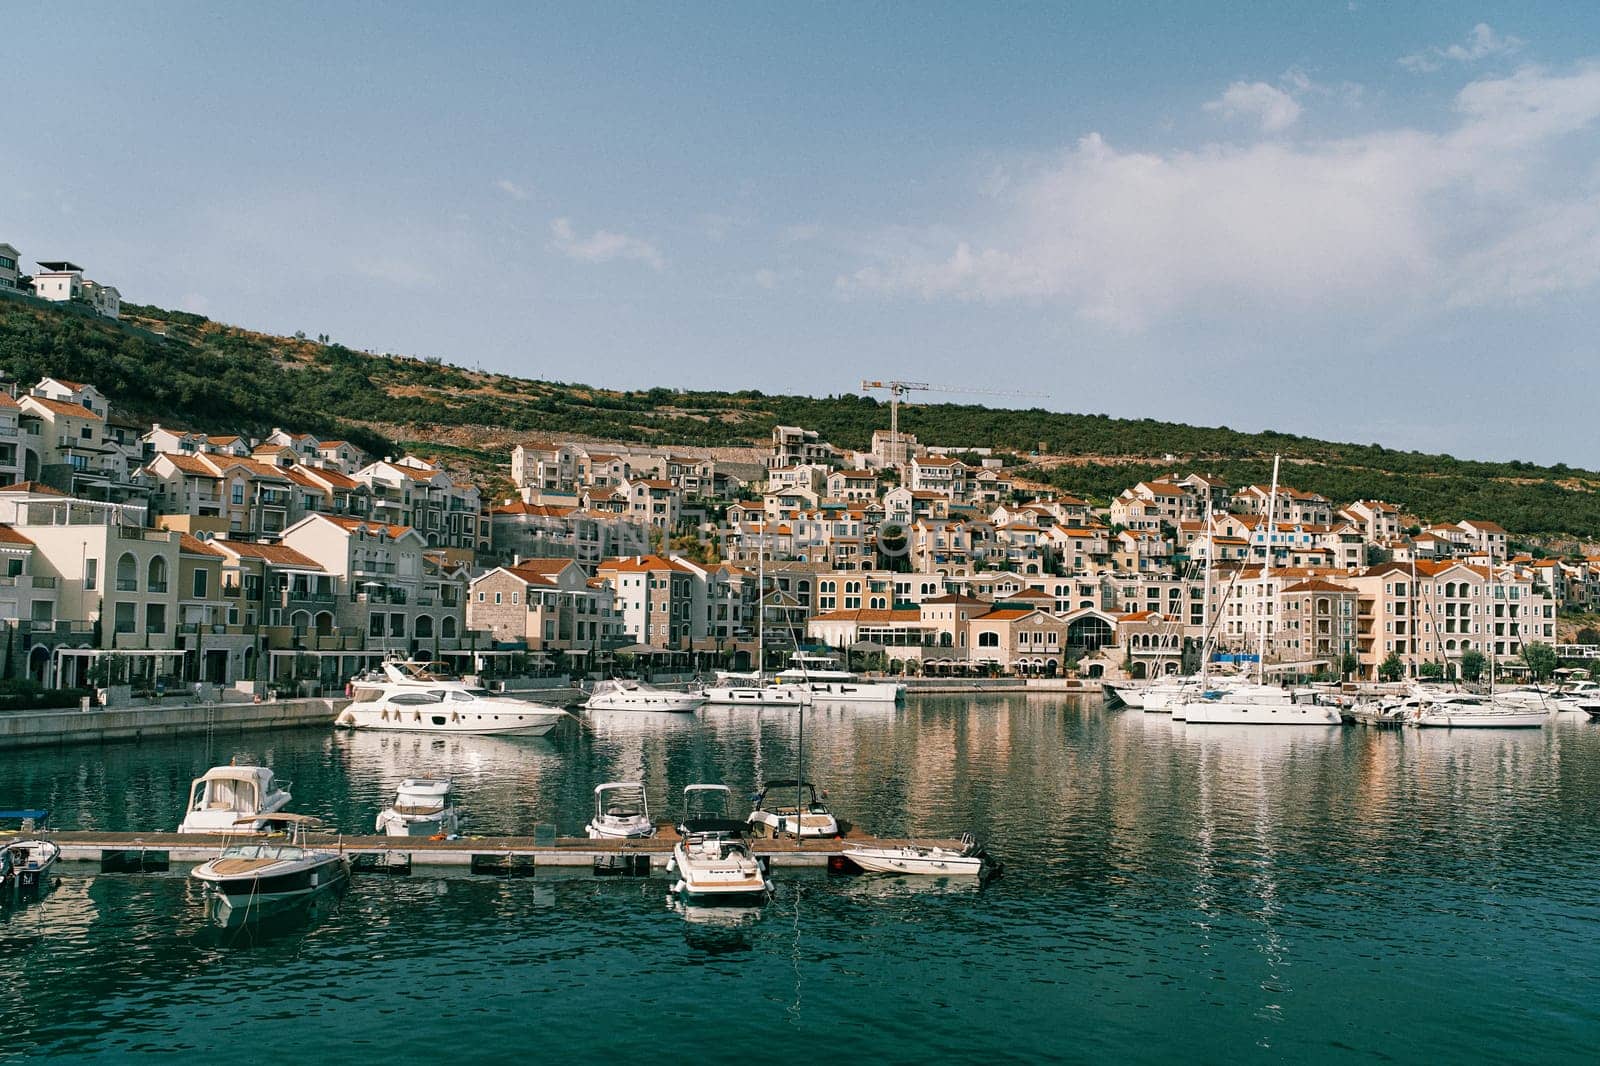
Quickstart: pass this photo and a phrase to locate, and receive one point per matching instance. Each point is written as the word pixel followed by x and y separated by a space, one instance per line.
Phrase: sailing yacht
pixel 755 689
pixel 1256 703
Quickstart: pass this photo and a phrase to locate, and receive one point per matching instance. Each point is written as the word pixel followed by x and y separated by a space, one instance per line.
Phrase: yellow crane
pixel 898 390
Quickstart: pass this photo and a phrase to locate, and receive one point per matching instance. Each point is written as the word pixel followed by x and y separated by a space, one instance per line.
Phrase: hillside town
pixel 159 556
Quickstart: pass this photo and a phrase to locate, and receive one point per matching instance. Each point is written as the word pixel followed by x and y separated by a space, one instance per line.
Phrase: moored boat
pixel 821 676
pixel 268 874
pixel 970 860
pixel 622 694
pixel 423 807
pixel 753 691
pixel 225 796
pixel 418 697
pixel 621 812
pixel 25 863
pixel 792 807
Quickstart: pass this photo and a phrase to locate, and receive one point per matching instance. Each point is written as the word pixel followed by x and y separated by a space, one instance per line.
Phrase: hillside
pixel 185 370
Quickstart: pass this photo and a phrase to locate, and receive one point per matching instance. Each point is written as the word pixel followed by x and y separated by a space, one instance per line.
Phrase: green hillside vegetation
pixel 186 370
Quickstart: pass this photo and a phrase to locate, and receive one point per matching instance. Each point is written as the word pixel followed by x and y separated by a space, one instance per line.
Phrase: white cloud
pixel 512 189
pixel 1481 43
pixel 1275 109
pixel 602 246
pixel 1482 214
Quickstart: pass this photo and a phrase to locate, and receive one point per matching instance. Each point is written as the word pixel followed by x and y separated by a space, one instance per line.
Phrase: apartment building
pixel 545 605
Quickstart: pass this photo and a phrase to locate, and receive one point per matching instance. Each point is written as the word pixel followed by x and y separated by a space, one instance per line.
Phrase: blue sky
pixel 1359 221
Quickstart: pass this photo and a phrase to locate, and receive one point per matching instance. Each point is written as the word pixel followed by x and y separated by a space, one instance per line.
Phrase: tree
pixel 1349 664
pixel 1541 659
pixel 1587 635
pixel 1391 669
pixel 1431 669
pixel 1472 663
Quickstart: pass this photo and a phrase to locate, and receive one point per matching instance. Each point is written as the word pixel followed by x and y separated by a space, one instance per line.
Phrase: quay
pixel 25 729
pixel 497 855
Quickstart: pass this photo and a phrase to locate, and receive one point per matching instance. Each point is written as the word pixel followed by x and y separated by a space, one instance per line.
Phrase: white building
pixel 9 258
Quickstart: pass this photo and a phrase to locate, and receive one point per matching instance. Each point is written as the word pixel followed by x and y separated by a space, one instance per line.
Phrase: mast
pixel 761 604
pixel 1266 572
pixel 1211 564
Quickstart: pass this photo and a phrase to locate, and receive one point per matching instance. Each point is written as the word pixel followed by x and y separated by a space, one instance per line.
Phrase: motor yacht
pixel 423 807
pixel 269 874
pixel 621 812
pixel 418 697
pixel 792 807
pixel 226 795
pixel 621 694
pixel 1256 705
pixel 821 676
pixel 718 869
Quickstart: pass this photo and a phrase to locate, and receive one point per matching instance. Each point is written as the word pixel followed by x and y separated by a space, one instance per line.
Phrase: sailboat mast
pixel 1211 564
pixel 761 604
pixel 1266 573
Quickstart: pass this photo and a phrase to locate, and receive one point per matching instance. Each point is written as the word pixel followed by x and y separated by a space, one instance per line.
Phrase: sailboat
pixel 1258 703
pixel 754 689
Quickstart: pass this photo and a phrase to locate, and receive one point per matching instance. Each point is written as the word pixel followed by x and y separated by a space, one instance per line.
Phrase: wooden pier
pixel 494 855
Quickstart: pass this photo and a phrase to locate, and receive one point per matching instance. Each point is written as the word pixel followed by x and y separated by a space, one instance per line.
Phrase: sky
pixel 1352 220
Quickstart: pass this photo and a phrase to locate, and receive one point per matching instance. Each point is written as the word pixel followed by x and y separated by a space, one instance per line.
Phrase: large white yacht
pixel 752 690
pixel 821 676
pixel 416 697
pixel 225 799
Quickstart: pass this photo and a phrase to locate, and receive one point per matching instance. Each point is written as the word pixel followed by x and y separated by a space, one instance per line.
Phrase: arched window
pixel 447 628
pixel 988 640
pixel 127 573
pixel 424 626
pixel 157 575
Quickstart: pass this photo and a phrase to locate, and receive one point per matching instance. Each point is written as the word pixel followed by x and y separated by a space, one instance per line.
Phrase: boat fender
pixel 672 865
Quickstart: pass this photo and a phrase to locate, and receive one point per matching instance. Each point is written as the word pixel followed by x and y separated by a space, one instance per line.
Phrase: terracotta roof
pixel 189 464
pixel 277 554
pixel 638 564
pixel 75 386
pixel 62 407
pixel 543 567
pixel 541 510
pixel 7 402
pixel 11 536
pixel 195 546
pixel 1007 614
pixel 356 525
pixel 1482 527
pixel 38 488
pixel 1318 584
pixel 869 615
pixel 332 478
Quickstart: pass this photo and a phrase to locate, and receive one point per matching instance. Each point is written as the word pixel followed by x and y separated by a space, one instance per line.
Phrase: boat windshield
pixel 223 794
pixel 262 851
pixel 622 803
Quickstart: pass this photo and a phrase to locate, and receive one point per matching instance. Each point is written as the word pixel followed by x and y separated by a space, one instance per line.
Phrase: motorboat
pixel 1534 699
pixel 1582 695
pixel 268 874
pixel 792 807
pixel 419 697
pixel 1469 711
pixel 970 860
pixel 718 868
pixel 621 812
pixel 25 863
pixel 623 694
pixel 423 807
pixel 821 676
pixel 1124 693
pixel 226 795
pixel 754 691
pixel 707 809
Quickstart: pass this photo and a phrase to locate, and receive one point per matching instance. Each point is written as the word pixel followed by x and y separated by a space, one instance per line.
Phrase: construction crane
pixel 898 390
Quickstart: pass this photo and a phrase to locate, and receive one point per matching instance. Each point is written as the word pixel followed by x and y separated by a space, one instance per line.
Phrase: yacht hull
pixel 1223 712
pixel 767 696
pixel 1495 720
pixel 518 723
pixel 246 890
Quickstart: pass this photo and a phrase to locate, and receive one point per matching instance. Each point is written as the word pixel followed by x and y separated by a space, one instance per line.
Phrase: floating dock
pixel 492 855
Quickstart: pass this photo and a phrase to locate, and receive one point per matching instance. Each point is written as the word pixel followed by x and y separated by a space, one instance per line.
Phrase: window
pixel 125 618
pixel 155 618
pixel 497 598
pixel 91 573
pixel 201 583
pixel 988 640
pixel 238 494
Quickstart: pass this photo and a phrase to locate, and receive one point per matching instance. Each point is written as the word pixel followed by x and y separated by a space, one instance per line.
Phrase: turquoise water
pixel 1215 894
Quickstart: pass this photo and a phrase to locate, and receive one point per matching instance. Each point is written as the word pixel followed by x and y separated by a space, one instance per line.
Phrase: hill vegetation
pixel 186 370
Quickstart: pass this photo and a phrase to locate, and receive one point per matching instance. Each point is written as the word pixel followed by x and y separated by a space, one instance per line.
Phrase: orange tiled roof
pixel 62 407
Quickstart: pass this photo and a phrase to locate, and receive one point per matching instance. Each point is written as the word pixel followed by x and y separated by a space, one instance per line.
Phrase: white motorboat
pixel 752 690
pixel 1467 711
pixel 1537 699
pixel 923 860
pixel 708 809
pixel 718 868
pixel 267 874
pixel 792 807
pixel 1257 705
pixel 1581 695
pixel 418 698
pixel 226 795
pixel 621 694
pixel 25 863
pixel 821 676
pixel 621 812
pixel 422 807
pixel 1127 693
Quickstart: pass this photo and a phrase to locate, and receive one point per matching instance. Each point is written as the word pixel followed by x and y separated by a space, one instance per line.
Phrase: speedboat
pixel 811 819
pixel 422 808
pixel 752 690
pixel 706 810
pixel 25 863
pixel 622 694
pixel 821 676
pixel 226 795
pixel 621 812
pixel 420 698
pixel 264 873
pixel 717 868
pixel 970 860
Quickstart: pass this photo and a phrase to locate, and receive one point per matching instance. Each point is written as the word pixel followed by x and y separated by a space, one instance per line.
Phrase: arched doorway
pixel 39 664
